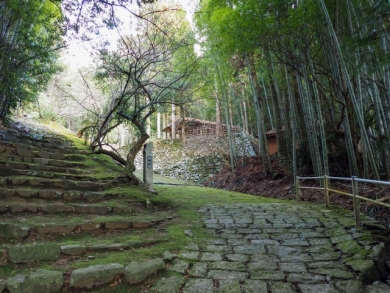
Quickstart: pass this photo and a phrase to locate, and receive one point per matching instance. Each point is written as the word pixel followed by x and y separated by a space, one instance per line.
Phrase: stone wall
pixel 197 159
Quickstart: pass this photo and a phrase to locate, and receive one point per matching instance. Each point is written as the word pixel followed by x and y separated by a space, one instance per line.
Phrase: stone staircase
pixel 63 222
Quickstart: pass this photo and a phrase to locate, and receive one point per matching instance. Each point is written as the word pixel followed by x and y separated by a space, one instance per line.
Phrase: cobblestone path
pixel 280 248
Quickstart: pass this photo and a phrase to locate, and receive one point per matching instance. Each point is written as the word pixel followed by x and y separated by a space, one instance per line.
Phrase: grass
pixel 180 201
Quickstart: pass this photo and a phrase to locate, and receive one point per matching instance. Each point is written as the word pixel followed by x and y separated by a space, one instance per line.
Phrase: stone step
pixel 9 171
pixel 43 161
pixel 31 253
pixel 56 194
pixel 8 153
pixel 43 280
pixel 12 208
pixel 19 181
pixel 29 166
pixel 19 228
pixel 28 143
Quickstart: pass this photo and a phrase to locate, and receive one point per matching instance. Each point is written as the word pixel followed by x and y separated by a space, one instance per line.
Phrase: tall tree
pixel 149 69
pixel 30 34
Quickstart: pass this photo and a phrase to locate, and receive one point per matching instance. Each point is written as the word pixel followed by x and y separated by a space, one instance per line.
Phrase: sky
pixel 78 53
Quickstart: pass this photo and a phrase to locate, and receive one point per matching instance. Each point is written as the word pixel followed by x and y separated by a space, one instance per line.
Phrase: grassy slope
pixel 180 201
pixel 184 200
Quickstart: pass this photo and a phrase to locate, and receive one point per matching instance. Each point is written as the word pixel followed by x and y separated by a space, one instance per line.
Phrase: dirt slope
pixel 249 178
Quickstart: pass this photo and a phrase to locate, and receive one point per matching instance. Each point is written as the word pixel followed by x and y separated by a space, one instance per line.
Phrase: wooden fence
pixel 355 192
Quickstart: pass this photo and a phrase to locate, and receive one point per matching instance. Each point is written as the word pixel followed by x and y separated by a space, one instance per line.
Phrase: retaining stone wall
pixel 197 159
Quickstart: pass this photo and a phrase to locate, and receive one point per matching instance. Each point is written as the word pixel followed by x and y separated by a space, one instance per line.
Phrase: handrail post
pixel 297 191
pixel 326 191
pixel 356 201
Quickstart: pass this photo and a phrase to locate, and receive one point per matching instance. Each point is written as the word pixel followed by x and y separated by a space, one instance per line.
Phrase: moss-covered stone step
pixel 25 152
pixel 56 194
pixel 43 161
pixel 36 167
pixel 18 181
pixel 30 253
pixel 29 144
pixel 7 171
pixel 20 228
pixel 56 208
pixel 51 281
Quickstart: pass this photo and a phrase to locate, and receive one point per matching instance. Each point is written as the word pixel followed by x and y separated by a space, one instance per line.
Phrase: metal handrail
pixel 356 197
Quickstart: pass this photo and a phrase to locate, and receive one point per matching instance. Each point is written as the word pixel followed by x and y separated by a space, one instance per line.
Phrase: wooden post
pixel 158 125
pixel 148 164
pixel 297 191
pixel 173 117
pixel 356 201
pixel 164 125
pixel 326 191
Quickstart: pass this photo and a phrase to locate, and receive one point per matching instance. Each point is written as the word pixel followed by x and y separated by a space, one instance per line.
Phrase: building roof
pixel 191 122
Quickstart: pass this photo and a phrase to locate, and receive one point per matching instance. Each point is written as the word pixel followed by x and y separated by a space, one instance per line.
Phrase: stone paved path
pixel 280 248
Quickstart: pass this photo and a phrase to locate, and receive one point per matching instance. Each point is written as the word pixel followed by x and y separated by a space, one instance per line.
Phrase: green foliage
pixel 30 33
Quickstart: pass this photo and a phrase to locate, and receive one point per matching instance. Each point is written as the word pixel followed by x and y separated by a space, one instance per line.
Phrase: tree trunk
pixel 173 117
pixel 218 116
pixel 158 125
pixel 128 172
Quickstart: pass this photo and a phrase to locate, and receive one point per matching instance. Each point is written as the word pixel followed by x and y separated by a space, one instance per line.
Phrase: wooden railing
pixel 355 192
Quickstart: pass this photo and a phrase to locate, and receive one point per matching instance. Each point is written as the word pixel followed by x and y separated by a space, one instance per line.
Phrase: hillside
pixel 249 178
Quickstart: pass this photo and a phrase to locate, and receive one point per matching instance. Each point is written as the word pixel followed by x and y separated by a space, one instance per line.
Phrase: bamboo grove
pixel 30 35
pixel 317 71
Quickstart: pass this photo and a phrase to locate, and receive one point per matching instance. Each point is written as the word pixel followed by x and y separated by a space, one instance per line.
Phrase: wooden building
pixel 198 127
pixel 272 142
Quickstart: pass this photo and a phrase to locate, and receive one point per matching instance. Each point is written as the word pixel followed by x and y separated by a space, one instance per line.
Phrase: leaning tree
pixel 149 68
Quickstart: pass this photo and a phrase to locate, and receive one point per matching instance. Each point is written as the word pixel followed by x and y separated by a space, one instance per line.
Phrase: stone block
pixel 20 146
pixel 70 195
pixel 34 253
pixel 179 266
pixel 50 194
pixel 377 287
pixel 89 185
pixel 136 272
pixel 75 158
pixel 20 208
pixel 199 285
pixel 90 226
pixel 281 287
pixel 117 225
pixel 26 193
pixel 39 182
pixel 317 288
pixel 367 269
pixel 73 249
pixel 56 208
pixel 58 156
pixel 55 229
pixel 58 163
pixel 93 196
pixel 168 285
pixel 19 181
pixel 43 281
pixel 7 192
pixel 95 275
pixel 41 161
pixel 199 270
pixel 141 225
pixel 231 275
pixel 349 286
pixel 65 184
pixel 91 209
pixel 122 210
pixel 42 154
pixel 12 231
